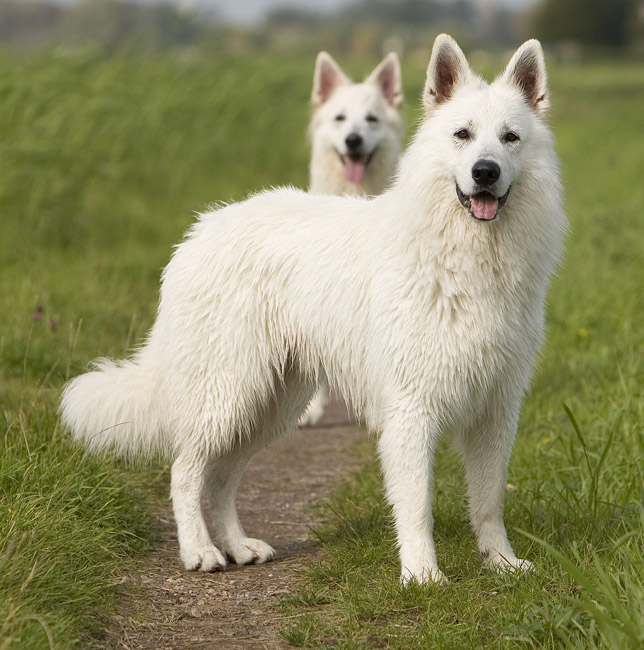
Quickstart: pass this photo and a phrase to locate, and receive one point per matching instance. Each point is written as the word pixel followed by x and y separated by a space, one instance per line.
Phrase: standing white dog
pixel 356 139
pixel 431 318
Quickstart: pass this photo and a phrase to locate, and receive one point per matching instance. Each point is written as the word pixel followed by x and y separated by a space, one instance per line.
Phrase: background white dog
pixel 427 318
pixel 356 136
pixel 356 128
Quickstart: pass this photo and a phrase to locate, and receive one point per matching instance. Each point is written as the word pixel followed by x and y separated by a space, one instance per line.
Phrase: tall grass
pixel 103 162
pixel 69 528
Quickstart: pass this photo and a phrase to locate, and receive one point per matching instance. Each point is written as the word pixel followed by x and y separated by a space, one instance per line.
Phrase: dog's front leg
pixel 407 457
pixel 486 450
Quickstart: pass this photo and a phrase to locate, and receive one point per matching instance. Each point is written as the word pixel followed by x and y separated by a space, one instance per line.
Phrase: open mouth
pixel 355 165
pixel 483 206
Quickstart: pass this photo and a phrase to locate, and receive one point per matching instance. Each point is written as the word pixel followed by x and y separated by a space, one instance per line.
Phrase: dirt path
pixel 176 609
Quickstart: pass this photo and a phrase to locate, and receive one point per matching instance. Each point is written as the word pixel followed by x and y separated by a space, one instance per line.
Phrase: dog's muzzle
pixel 355 164
pixel 482 205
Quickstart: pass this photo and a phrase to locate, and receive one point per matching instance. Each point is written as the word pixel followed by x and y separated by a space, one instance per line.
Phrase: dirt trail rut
pixel 234 610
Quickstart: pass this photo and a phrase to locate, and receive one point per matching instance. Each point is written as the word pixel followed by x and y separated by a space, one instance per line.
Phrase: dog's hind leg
pixel 222 481
pixel 196 548
pixel 486 450
pixel 224 473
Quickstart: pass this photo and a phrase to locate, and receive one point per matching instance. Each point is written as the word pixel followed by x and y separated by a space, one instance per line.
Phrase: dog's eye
pixel 371 118
pixel 463 134
pixel 340 117
pixel 511 136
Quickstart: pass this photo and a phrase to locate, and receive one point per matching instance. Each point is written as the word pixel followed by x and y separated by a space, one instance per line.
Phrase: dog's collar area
pixel 481 197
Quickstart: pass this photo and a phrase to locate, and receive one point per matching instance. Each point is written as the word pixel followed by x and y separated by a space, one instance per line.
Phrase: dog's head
pixel 355 120
pixel 485 134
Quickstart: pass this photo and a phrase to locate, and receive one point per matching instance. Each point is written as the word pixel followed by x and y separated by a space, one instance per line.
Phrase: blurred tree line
pixel 111 24
pixel 365 27
pixel 603 23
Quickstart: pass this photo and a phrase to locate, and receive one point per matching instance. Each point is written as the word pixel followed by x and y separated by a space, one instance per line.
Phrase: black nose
pixel 354 141
pixel 485 172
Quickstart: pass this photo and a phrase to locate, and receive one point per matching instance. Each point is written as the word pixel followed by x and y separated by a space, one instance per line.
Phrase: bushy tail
pixel 116 407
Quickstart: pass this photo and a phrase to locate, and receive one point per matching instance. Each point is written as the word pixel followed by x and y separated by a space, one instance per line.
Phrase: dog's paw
pixel 205 559
pixel 425 576
pixel 250 551
pixel 512 564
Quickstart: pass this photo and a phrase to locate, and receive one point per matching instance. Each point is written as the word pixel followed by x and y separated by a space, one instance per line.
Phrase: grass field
pixel 102 162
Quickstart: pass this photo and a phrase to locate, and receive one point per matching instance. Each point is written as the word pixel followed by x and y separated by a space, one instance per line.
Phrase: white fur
pixel 425 319
pixel 333 95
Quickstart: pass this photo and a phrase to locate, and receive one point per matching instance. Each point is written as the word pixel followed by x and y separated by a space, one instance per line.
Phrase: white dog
pixel 356 138
pixel 430 320
pixel 356 129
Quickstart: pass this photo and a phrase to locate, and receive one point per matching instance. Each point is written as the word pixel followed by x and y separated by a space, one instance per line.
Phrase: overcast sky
pixel 249 11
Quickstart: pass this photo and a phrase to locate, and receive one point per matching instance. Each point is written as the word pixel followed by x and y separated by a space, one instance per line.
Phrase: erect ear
pixel 388 78
pixel 326 79
pixel 447 68
pixel 527 71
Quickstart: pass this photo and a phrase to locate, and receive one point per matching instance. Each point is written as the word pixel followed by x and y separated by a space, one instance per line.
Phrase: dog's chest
pixel 457 342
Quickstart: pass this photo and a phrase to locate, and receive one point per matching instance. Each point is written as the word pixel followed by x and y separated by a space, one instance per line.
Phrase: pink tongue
pixel 353 171
pixel 484 206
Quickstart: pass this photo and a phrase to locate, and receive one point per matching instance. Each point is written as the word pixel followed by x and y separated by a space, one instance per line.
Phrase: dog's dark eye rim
pixel 462 134
pixel 511 136
pixel 371 118
pixel 340 117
